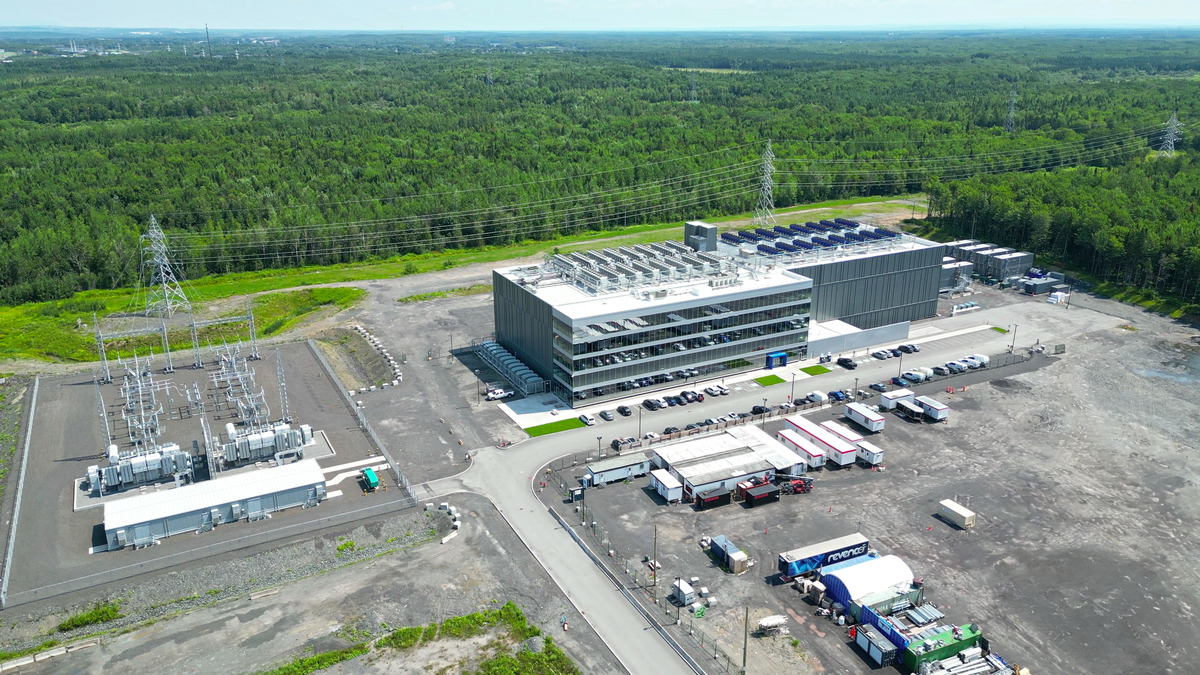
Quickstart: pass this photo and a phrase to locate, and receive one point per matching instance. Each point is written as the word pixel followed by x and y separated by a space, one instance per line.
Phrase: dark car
pixel 617 443
pixel 837 396
pixel 650 404
pixel 879 386
pixel 899 381
pixel 606 415
pixel 624 410
pixel 671 430
pixel 670 400
pixel 690 396
pixel 907 349
pixel 847 363
pixel 693 425
pixel 760 410
pixel 896 352
pixel 681 400
pixel 744 415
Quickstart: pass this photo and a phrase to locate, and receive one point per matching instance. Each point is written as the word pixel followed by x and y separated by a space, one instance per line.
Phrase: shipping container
pixel 864 417
pixel 935 410
pixel 809 558
pixel 957 513
pixel 714 497
pixel 882 652
pixel 889 399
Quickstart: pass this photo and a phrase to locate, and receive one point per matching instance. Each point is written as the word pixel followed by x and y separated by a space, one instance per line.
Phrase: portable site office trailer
pixel 957 513
pixel 838 450
pixel 616 468
pixel 889 399
pixel 814 457
pixel 864 417
pixel 845 433
pixel 253 495
pixel 935 410
pixel 667 486
pixel 869 454
pixel 910 410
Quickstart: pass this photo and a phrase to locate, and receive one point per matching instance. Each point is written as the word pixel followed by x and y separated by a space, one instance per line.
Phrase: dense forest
pixel 326 149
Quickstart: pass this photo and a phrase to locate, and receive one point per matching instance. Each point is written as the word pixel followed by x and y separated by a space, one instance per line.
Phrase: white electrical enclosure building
pixel 252 495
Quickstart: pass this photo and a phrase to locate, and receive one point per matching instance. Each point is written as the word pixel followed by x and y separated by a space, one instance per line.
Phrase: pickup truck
pixel 497 394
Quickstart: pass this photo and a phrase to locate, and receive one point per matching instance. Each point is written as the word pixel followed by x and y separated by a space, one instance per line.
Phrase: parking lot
pixel 1078 467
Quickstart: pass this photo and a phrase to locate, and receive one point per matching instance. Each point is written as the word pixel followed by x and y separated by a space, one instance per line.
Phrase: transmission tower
pixel 163 293
pixel 1010 122
pixel 1170 137
pixel 764 215
pixel 282 387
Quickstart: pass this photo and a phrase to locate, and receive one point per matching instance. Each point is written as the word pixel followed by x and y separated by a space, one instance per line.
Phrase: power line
pixel 1170 137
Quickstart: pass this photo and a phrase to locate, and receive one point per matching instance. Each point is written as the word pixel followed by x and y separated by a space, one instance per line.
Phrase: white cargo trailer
pixel 864 417
pixel 814 457
pixel 957 513
pixel 935 410
pixel 838 451
pixel 842 431
pixel 870 454
pixel 889 399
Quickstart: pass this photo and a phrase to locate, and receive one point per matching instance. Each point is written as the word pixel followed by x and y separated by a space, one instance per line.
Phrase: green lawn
pixel 998 329
pixel 554 427
pixel 815 370
pixel 768 380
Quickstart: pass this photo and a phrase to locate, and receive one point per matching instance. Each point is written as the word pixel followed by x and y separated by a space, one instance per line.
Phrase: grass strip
pixel 555 427
pixel 768 380
pixel 305 665
pixel 814 370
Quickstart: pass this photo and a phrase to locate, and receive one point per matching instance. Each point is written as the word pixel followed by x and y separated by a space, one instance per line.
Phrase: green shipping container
pixel 371 479
pixel 915 655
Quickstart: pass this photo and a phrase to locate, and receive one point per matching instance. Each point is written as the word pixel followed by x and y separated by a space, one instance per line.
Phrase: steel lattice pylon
pixel 1170 137
pixel 764 211
pixel 164 296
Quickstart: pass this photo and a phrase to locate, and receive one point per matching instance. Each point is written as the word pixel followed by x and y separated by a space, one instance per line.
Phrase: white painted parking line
pixel 349 474
pixel 335 493
pixel 351 465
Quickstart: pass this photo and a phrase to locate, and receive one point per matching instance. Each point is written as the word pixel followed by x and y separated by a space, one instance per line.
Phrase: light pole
pixel 477 373
pixel 598 439
pixel 639 422
pixel 901 368
pixel 855 392
pixel 763 422
pixel 792 398
pixel 1012 348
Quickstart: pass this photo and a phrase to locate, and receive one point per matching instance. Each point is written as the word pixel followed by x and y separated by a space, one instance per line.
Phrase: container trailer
pixel 935 410
pixel 890 399
pixel 814 457
pixel 864 417
pixel 811 558
pixel 843 432
pixel 837 450
pixel 957 514
pixel 870 454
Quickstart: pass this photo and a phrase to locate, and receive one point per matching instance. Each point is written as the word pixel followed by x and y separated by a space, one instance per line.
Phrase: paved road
pixel 506 475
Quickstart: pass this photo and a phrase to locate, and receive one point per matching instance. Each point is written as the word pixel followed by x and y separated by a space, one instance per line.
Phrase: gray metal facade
pixel 878 290
pixel 524 324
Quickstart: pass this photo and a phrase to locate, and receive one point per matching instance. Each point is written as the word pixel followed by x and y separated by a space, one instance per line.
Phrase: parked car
pixel 915 347
pixel 650 404
pixel 712 420
pixel 651 436
pixel 617 443
pixel 970 362
pixel 914 376
pixel 847 363
pixel 693 425
pixel 670 401
pixel 817 397
pixel 984 360
pixel 671 430
pixel 786 405
pixel 690 396
pixel 895 352
pixel 881 354
pixel 760 410
pixel 837 396
pixel 587 419
pixel 606 415
pixel 955 367
pixel 722 389
pixel 899 381
pixel 624 410
pixel 712 391
pixel 879 386
pixel 662 403
pixel 498 394
pixel 941 370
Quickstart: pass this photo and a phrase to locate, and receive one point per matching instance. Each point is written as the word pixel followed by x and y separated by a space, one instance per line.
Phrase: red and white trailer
pixel 934 409
pixel 870 454
pixel 864 417
pixel 814 457
pixel 843 432
pixel 837 450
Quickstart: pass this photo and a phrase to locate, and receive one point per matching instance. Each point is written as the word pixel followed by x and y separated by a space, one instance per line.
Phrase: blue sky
pixel 523 15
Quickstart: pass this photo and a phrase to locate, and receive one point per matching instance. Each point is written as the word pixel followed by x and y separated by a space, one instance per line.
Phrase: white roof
pixel 125 513
pixel 824 437
pixel 899 393
pixel 873 576
pixel 618 462
pixel 737 452
pixel 868 446
pixel 665 479
pixel 931 403
pixel 828 329
pixel 842 431
pixel 806 446
pixel 864 411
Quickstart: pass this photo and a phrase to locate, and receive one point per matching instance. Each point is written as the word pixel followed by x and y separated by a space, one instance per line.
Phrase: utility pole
pixel 654 565
pixel 745 639
pixel 1013 347
pixel 1170 137
pixel 764 215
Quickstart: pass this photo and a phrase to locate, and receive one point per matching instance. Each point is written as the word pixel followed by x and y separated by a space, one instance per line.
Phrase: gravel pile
pixel 180 591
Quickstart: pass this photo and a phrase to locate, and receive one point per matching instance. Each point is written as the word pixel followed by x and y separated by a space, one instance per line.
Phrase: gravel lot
pixel 1082 471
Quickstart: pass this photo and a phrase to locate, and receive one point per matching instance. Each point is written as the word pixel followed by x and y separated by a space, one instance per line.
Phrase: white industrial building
pixel 251 495
pixel 724 460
